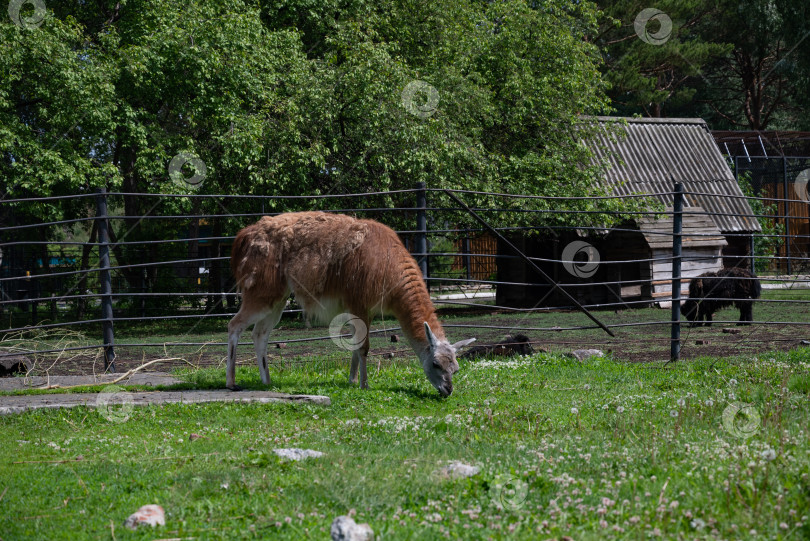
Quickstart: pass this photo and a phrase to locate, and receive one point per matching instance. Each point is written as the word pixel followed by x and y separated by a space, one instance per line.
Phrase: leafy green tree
pixel 656 58
pixel 297 98
pixel 761 83
pixel 737 64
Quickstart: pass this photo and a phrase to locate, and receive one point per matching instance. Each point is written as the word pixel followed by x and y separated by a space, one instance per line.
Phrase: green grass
pixel 594 450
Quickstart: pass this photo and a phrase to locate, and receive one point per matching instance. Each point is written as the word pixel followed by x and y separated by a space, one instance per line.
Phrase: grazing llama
pixel 334 264
pixel 714 291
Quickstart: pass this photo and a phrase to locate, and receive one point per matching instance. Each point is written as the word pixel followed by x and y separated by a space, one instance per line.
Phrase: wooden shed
pixel 635 259
pixel 650 277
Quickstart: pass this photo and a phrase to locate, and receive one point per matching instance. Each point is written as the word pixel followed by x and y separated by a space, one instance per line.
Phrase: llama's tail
pixel 240 251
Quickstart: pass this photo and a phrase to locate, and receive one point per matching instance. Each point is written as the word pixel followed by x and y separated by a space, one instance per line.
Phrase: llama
pixel 334 264
pixel 713 291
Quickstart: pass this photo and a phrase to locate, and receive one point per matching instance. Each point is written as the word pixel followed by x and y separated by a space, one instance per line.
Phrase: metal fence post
pixel 105 281
pixel 465 248
pixel 677 231
pixel 786 217
pixel 753 254
pixel 34 292
pixel 421 226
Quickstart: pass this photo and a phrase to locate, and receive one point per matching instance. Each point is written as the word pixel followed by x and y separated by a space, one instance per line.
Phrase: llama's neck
pixel 412 307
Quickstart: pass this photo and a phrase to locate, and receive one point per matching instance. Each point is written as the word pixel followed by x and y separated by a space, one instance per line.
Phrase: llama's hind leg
pixel 248 314
pixel 261 331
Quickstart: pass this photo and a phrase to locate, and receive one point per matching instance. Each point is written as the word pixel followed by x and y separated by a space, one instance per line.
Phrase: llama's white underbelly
pixel 324 310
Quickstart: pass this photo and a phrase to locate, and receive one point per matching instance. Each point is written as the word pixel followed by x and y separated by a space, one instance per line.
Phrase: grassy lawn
pixel 705 449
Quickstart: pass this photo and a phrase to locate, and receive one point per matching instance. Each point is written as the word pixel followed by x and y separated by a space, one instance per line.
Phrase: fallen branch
pixel 126 375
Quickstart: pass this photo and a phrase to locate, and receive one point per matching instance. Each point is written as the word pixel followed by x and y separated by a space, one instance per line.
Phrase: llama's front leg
pixel 359 356
pixel 360 347
pixel 363 373
pixel 354 367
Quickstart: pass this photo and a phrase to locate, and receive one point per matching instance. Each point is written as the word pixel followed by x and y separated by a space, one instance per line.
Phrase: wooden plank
pixel 631 291
pixel 662 294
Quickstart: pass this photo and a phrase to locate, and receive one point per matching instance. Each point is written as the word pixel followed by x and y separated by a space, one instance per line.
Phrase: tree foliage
pixel 738 64
pixel 301 97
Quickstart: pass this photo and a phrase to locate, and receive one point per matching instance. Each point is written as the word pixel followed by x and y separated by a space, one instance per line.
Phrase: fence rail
pixel 107 268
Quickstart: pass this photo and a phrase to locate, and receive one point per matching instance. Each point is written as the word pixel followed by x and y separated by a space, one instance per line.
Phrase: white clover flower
pixel 673 413
pixel 698 524
pixel 586 387
pixel 732 381
pixel 709 402
pixel 605 407
pixel 574 411
pixel 768 454
pixel 681 402
pixel 620 409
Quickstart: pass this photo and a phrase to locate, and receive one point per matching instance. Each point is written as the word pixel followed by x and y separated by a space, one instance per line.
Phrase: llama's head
pixel 439 361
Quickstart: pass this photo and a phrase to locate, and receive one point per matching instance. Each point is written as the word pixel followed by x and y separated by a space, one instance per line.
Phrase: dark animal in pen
pixel 714 291
pixel 508 347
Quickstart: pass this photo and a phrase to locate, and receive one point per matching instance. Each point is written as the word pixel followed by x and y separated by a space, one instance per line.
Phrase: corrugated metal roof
pixel 655 153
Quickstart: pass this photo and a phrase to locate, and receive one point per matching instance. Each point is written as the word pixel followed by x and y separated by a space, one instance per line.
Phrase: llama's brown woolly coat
pixel 323 259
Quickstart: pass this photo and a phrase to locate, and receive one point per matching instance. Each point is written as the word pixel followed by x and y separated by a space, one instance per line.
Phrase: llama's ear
pixel 458 345
pixel 431 338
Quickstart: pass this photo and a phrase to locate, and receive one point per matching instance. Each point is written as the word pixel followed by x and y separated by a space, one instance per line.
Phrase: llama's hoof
pixel 235 388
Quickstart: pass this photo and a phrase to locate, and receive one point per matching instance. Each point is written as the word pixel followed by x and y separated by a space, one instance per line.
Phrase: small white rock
pixel 297 454
pixel 456 470
pixel 151 515
pixel 585 354
pixel 345 529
